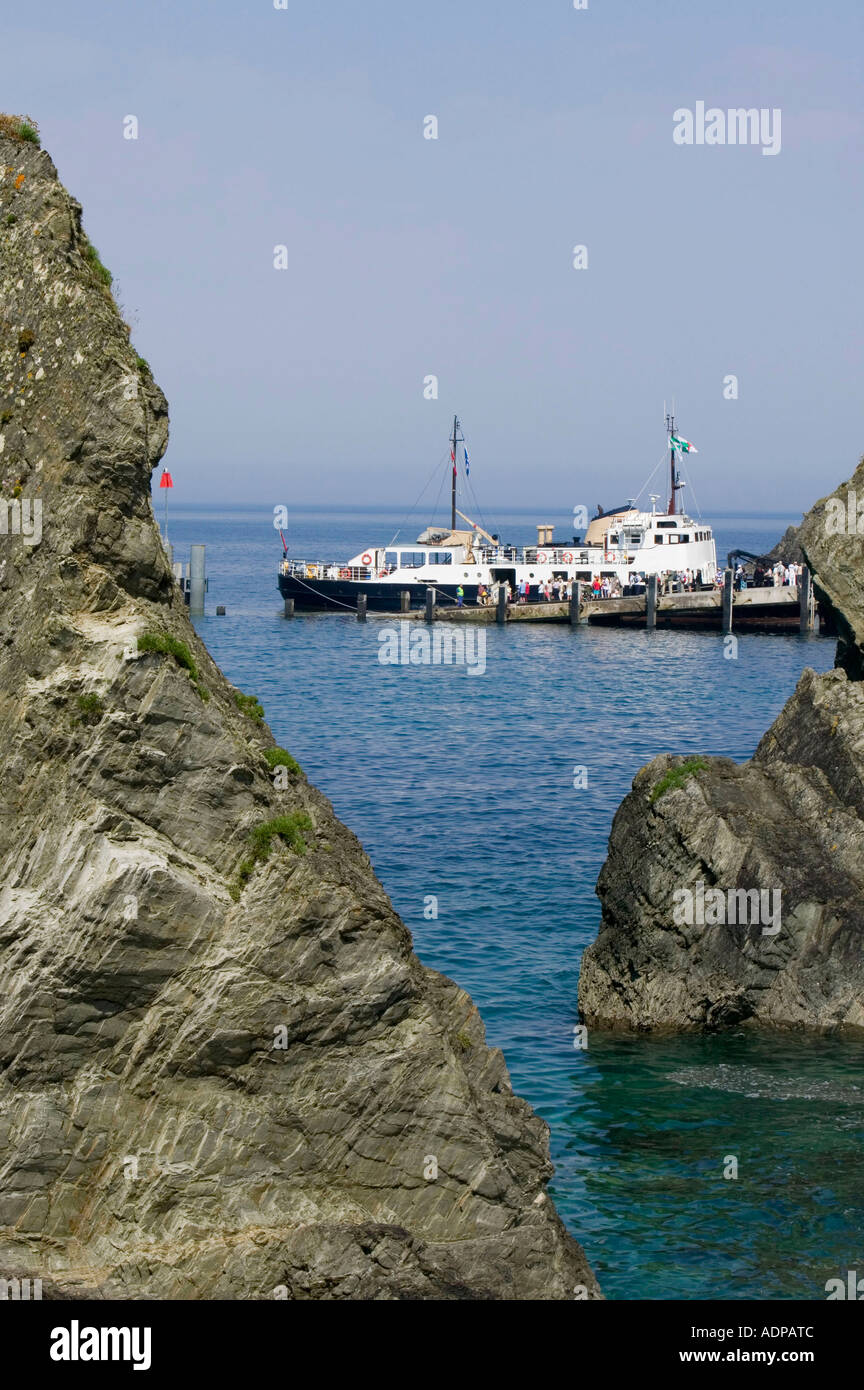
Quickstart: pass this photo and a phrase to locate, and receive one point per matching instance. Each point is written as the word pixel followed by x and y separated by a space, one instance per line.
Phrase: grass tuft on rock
pixel 292 829
pixel 677 776
pixel 92 708
pixel 249 704
pixel 166 645
pixel 22 128
pixel 280 757
pixel 94 260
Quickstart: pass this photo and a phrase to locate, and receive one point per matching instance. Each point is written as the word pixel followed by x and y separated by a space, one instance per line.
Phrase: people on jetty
pixel 776 576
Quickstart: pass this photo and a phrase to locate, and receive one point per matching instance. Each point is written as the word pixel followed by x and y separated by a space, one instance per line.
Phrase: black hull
pixel 340 595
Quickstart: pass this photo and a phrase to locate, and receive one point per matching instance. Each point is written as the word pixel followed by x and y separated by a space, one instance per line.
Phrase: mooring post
pixel 362 600
pixel 289 608
pixel 651 601
pixel 501 608
pixel 728 599
pixel 196 581
pixel 575 602
pixel 805 600
pixel 405 601
pixel 430 605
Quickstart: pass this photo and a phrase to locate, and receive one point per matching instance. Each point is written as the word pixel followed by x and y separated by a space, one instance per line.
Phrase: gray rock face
pixel 788 548
pixel 223 1072
pixel 789 822
pixel 832 539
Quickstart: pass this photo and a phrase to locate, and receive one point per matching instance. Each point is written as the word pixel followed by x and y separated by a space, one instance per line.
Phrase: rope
pixel 320 595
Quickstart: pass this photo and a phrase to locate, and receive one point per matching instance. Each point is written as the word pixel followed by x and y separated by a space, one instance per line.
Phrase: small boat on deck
pixel 623 544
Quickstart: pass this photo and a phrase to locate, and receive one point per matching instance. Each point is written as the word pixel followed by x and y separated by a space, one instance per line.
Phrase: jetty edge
pixel 704 851
pixel 225 1074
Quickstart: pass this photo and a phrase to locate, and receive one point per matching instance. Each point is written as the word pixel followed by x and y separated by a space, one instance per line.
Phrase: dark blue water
pixel 462 787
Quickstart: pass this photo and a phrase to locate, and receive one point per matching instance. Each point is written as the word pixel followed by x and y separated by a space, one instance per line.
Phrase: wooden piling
pixel 362 601
pixel 651 601
pixel 728 599
pixel 501 608
pixel 430 605
pixel 805 600
pixel 575 602
pixel 289 608
pixel 405 601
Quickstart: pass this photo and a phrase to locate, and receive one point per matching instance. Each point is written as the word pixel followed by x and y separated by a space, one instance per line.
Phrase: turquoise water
pixel 462 787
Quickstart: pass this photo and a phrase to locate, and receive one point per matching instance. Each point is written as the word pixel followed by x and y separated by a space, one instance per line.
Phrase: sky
pixel 408 258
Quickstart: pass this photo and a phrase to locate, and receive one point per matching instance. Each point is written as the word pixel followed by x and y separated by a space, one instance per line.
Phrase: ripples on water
pixel 462 787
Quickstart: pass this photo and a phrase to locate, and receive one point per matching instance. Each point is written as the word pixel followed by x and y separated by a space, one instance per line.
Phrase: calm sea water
pixel 461 787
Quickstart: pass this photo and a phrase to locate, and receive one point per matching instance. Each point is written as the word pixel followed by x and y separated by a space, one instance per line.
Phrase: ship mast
pixel 453 441
pixel 674 484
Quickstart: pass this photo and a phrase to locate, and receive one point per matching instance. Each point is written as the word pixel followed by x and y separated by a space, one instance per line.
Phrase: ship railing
pixel 332 569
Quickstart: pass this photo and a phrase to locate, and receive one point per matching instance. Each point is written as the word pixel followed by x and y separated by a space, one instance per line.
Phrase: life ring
pixel 344 574
pixel 567 557
pixel 610 555
pixel 366 558
pixel 541 557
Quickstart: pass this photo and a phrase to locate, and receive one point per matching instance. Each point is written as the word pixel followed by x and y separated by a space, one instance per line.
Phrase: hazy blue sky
pixel 409 257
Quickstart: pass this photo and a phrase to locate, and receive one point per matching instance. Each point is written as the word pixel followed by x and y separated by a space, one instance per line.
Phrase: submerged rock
pixel 734 894
pixel 223 1072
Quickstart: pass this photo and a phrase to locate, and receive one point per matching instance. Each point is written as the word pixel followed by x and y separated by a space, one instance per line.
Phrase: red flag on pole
pixel 166 480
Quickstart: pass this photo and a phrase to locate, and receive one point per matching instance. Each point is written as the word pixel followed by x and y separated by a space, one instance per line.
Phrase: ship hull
pixel 340 595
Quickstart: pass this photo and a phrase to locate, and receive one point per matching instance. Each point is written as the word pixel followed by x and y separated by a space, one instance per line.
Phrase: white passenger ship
pixel 624 544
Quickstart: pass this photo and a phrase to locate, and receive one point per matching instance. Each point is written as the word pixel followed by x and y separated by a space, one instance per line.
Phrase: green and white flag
pixel 682 445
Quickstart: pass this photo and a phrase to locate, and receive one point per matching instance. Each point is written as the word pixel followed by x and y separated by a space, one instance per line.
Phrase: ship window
pixel 440 557
pixel 667 525
pixel 673 540
pixel 658 540
pixel 613 540
pixel 392 557
pixel 413 559
pixel 683 539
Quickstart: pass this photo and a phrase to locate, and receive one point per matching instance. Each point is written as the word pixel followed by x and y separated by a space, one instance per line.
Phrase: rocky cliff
pixel 223 1072
pixel 735 894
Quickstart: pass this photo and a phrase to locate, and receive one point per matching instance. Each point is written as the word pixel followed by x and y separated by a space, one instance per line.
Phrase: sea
pixel 688 1167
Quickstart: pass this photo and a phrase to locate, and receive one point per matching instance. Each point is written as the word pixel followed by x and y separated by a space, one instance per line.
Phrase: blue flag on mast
pixel 467 465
